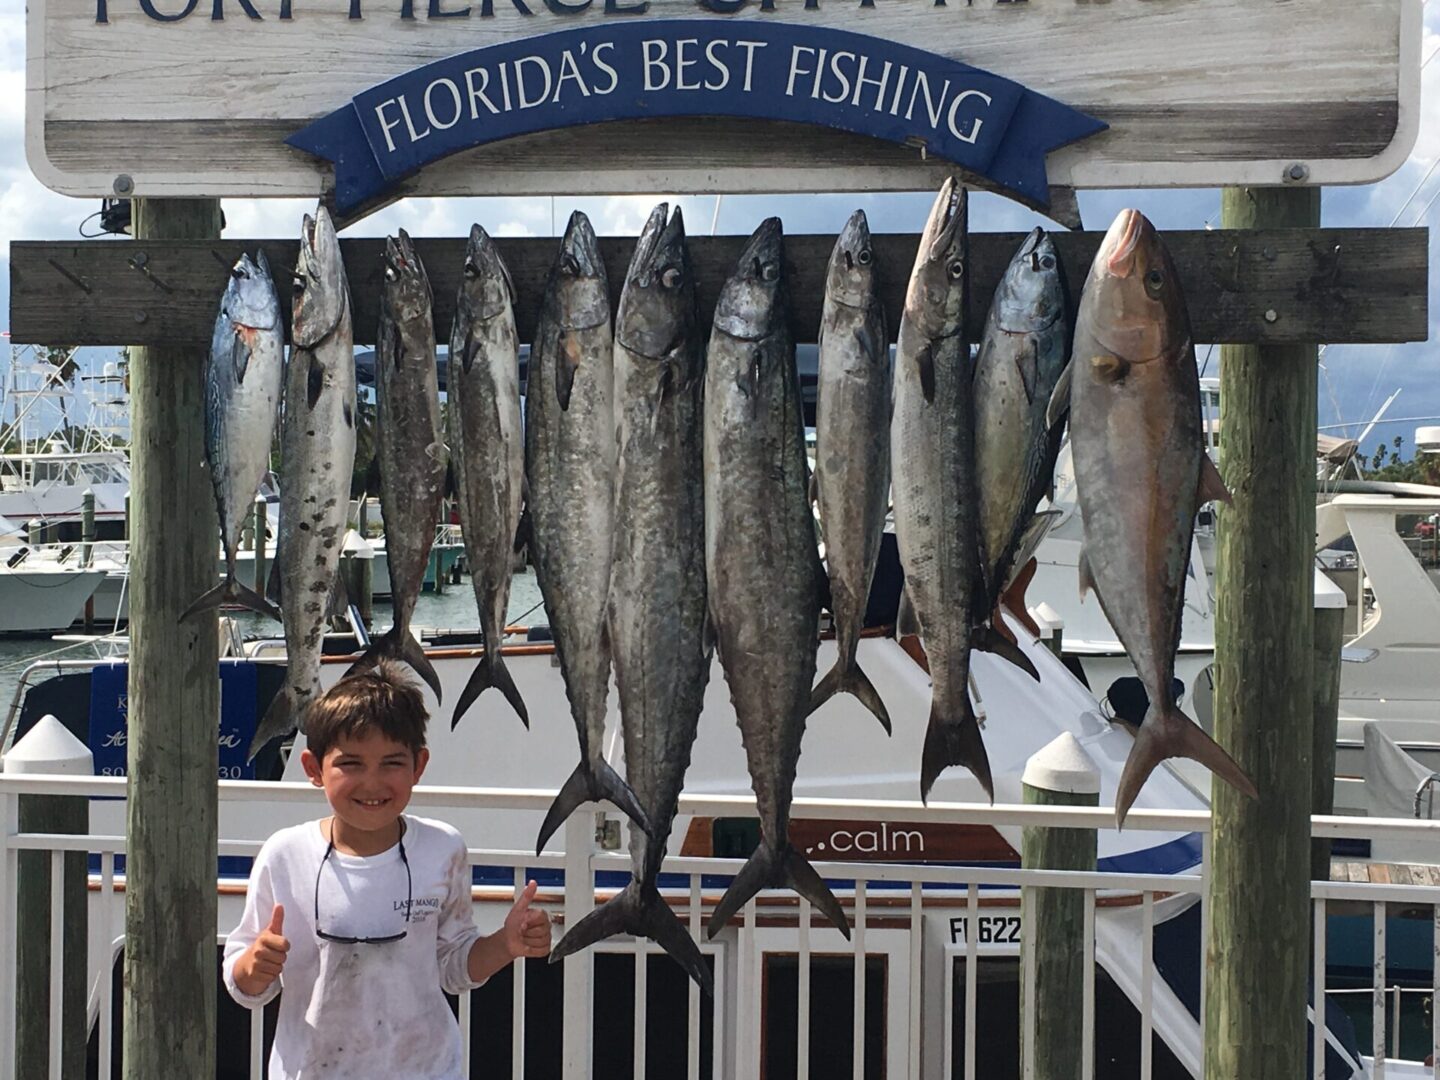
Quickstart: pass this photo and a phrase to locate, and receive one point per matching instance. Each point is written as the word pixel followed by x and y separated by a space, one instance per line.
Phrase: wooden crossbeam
pixel 1252 287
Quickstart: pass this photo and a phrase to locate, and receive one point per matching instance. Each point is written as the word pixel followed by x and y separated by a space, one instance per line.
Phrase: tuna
pixel 244 377
pixel 317 453
pixel 1141 473
pixel 570 468
pixel 852 450
pixel 410 446
pixel 657 613
pixel 936 506
pixel 483 384
pixel 1022 354
pixel 766 581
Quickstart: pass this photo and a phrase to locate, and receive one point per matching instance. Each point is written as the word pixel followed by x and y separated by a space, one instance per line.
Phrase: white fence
pixel 737 1008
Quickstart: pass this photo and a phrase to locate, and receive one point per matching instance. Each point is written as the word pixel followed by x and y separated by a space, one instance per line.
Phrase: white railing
pixel 902 892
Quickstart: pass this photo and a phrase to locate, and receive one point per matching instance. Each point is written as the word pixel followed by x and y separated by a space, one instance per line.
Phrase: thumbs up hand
pixel 527 929
pixel 261 964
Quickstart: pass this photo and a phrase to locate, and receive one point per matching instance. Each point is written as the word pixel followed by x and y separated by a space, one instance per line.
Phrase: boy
pixel 364 916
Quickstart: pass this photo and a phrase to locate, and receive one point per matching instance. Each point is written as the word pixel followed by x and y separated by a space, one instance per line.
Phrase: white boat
pixel 845 757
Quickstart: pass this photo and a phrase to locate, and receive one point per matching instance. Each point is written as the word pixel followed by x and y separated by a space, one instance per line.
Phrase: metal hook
pixel 139 261
pixel 75 280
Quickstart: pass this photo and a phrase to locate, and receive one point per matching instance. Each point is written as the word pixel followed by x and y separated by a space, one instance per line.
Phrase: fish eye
pixel 570 264
pixel 1154 281
pixel 956 269
pixel 471 270
pixel 770 271
pixel 391 274
pixel 1047 262
pixel 670 277
pixel 864 257
pixel 299 284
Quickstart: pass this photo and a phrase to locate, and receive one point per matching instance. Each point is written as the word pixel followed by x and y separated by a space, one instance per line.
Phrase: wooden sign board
pixel 198 97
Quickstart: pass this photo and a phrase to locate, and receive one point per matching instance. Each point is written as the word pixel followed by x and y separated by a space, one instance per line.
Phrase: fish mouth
pixel 947 218
pixel 580 251
pixel 648 241
pixel 1122 241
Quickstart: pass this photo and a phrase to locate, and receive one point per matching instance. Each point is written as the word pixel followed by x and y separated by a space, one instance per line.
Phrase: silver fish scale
pixel 657 590
pixel 410 444
pixel 489 452
pixel 764 567
pixel 570 462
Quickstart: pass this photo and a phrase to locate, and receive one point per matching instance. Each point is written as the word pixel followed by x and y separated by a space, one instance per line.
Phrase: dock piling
pixel 1258 951
pixel 1053 920
pixel 50 749
pixel 174 696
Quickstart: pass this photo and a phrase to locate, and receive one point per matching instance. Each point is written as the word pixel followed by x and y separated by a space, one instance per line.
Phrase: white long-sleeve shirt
pixel 364 1010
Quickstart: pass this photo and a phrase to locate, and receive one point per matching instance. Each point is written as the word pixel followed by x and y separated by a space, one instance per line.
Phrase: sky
pixel 1354 379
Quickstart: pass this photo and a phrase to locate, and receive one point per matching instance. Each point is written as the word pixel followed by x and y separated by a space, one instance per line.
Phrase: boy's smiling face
pixel 367 780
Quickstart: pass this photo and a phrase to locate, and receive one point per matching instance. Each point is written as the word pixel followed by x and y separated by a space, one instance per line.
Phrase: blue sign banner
pixel 764 70
pixel 109 714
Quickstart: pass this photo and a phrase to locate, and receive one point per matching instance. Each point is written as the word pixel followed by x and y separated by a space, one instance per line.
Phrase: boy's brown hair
pixel 381 699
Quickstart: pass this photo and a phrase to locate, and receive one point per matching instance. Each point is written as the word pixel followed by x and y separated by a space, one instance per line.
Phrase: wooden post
pixel 1060 774
pixel 87 536
pixel 1258 952
pixel 174 695
pixel 1325 698
pixel 261 523
pixel 49 748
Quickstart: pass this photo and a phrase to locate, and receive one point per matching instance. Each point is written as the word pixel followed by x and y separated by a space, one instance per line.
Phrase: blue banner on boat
pixel 109 716
pixel 981 122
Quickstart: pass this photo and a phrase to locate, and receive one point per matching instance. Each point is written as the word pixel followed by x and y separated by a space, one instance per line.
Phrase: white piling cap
pixel 1063 765
pixel 1050 615
pixel 1327 593
pixel 357 546
pixel 50 748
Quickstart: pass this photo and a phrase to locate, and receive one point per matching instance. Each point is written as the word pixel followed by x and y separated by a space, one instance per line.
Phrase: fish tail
pixel 397 644
pixel 490 671
pixel 279 719
pixel 639 910
pixel 1167 733
pixel 954 742
pixel 850 679
pixel 993 641
pixel 231 591
pixel 770 867
pixel 591 783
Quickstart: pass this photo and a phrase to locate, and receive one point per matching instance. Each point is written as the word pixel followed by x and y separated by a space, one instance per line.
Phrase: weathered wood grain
pixel 174 699
pixel 1320 285
pixel 1259 894
pixel 1253 88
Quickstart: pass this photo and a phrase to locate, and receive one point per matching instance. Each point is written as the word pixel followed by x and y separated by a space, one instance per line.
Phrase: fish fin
pixel 1087 579
pixel 664 385
pixel 1060 397
pixel 314 381
pixel 1013 598
pixel 274 587
pixel 210 600
pixel 567 364
pixel 239 355
pixel 490 671
pixel 993 641
pixel 279 720
pixel 850 681
pixel 823 594
pixel 591 783
pixel 926 360
pixel 954 742
pixel 1168 733
pixel 907 623
pixel 1027 364
pixel 752 377
pixel 398 644
pixel 771 868
pixel 1107 367
pixel 872 349
pixel 1211 487
pixel 639 910
pixel 468 351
